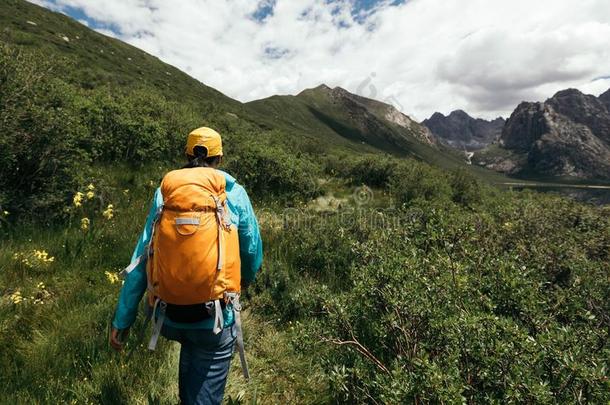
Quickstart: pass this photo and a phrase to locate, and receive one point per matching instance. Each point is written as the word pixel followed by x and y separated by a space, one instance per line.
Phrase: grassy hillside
pixel 385 280
pixel 93 59
pixel 340 120
pixel 328 115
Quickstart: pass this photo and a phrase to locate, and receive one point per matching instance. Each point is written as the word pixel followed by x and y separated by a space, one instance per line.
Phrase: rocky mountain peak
pixel 560 136
pixel 460 114
pixel 525 126
pixel 605 99
pixel 462 131
pixel 583 109
pixel 437 116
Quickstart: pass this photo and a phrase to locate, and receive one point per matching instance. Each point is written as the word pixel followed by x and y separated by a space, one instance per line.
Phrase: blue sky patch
pixel 361 9
pixel 264 10
pixel 275 52
pixel 364 8
pixel 79 15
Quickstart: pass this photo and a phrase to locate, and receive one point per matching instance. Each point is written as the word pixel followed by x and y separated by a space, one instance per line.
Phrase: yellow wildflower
pixel 5 213
pixel 112 277
pixel 16 297
pixel 90 195
pixel 78 199
pixel 126 191
pixel 43 256
pixel 91 187
pixel 84 223
pixel 35 258
pixel 109 212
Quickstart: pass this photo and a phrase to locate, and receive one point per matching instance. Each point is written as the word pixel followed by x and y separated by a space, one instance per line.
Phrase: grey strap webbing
pixel 147 252
pixel 233 298
pixel 133 264
pixel 187 221
pixel 240 345
pixel 219 320
pixel 220 220
pixel 157 323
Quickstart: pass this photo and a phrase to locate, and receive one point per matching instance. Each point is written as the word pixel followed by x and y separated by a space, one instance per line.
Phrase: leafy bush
pixel 414 180
pixel 374 171
pixel 54 131
pixel 268 171
pixel 137 127
pixel 447 304
pixel 466 189
pixel 41 152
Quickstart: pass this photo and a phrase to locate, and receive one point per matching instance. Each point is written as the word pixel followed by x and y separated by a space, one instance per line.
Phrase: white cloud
pixel 426 55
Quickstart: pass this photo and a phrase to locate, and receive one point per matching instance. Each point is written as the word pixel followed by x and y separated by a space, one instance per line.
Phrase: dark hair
pixel 200 159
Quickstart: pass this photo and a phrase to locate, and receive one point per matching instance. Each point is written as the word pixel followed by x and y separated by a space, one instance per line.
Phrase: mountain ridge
pixel 568 135
pixel 341 117
pixel 461 131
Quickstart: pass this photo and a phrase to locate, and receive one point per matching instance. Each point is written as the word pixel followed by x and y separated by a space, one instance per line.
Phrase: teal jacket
pixel 250 251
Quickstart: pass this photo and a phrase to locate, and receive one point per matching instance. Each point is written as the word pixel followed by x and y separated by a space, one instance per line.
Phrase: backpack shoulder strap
pixel 146 253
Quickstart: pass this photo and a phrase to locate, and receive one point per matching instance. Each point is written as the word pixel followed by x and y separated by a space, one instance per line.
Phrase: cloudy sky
pixel 483 56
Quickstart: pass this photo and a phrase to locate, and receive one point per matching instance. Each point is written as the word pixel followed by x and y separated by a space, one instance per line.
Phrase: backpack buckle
pixel 233 299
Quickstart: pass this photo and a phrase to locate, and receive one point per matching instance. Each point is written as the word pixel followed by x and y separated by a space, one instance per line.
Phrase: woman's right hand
pixel 118 338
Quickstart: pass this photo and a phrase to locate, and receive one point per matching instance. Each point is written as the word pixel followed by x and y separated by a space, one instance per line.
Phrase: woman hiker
pixel 200 245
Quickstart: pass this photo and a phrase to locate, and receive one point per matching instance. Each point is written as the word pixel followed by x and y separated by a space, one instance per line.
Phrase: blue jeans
pixel 204 363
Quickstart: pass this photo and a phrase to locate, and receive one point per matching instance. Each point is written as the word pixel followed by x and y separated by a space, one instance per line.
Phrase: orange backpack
pixel 194 251
pixel 193 254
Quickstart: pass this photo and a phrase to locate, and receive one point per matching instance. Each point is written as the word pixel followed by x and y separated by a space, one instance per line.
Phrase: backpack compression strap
pixel 233 298
pixel 222 224
pixel 157 323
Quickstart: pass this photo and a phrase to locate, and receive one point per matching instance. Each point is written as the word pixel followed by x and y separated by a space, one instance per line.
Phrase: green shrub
pixel 268 171
pixel 41 144
pixel 136 127
pixel 374 171
pixel 53 132
pixel 466 189
pixel 414 180
pixel 371 170
pixel 455 306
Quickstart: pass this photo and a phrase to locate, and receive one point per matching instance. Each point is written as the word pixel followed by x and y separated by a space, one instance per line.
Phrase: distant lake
pixel 597 194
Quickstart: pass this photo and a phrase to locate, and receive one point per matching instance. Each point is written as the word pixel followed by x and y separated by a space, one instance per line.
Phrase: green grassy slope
pixel 95 59
pixel 53 339
pixel 317 112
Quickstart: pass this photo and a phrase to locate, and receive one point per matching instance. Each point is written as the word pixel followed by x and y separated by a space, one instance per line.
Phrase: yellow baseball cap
pixel 206 137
